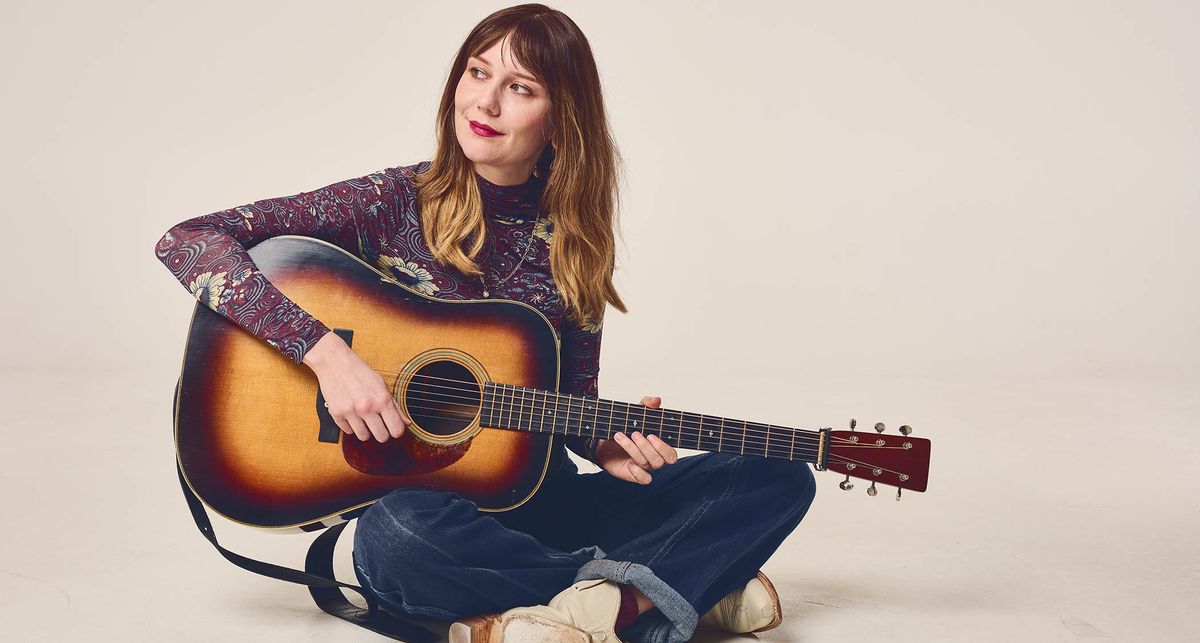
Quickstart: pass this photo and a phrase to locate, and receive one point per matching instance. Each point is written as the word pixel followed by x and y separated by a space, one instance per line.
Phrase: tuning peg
pixel 880 427
pixel 871 490
pixel 853 423
pixel 905 429
pixel 846 485
pixel 898 490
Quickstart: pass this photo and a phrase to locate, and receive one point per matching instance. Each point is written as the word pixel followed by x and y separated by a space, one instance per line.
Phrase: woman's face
pixel 500 93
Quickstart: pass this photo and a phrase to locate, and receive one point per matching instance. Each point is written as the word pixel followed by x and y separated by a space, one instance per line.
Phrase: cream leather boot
pixel 585 612
pixel 753 608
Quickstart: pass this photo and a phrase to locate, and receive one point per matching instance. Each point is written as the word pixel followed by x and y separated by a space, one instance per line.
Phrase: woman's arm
pixel 207 254
pixel 580 373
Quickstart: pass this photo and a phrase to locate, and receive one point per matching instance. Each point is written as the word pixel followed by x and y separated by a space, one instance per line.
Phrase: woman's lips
pixel 483 130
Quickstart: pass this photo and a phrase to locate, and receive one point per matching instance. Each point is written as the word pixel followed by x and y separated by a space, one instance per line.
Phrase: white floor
pixel 1057 510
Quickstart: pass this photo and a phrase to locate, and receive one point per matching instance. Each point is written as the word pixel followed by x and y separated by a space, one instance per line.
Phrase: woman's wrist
pixel 323 351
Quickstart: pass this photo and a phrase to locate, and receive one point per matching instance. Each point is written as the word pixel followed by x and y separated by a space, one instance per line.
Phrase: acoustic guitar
pixel 478 379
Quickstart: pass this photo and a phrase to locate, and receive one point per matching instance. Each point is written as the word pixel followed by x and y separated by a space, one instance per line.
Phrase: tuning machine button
pixel 880 427
pixel 898 490
pixel 871 490
pixel 905 429
pixel 846 485
pixel 853 423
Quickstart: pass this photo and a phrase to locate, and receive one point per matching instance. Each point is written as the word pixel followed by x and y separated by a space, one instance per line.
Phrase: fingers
pixel 343 425
pixel 651 401
pixel 378 429
pixel 663 449
pixel 649 453
pixel 395 422
pixel 632 449
pixel 360 427
pixel 636 473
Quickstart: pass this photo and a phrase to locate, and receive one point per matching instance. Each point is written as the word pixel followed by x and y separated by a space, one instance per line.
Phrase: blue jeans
pixel 701 529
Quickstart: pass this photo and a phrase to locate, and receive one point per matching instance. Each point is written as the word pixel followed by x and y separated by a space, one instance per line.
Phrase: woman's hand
pixel 357 398
pixel 631 458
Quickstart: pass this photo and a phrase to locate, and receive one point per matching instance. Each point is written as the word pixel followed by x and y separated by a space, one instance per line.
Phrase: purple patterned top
pixel 376 218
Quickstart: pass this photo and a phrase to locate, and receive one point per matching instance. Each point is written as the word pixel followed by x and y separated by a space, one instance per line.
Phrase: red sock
pixel 628 613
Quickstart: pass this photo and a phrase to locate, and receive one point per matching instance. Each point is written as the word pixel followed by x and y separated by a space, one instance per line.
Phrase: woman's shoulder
pixel 405 174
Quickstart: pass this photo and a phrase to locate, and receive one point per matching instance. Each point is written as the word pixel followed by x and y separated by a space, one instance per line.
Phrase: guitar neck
pixel 519 408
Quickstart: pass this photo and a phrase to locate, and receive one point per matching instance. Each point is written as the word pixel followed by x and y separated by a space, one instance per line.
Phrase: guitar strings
pixel 806 448
pixel 801 451
pixel 694 421
pixel 805 452
pixel 683 436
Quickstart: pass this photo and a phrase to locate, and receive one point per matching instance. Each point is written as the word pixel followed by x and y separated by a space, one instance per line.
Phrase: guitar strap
pixel 317 575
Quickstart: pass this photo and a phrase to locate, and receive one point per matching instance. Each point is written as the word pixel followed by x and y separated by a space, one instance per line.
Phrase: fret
pixel 792 453
pixel 485 408
pixel 579 421
pixel 570 399
pixel 514 411
pixel 654 422
pixel 542 413
pixel 519 394
pixel 721 435
pixel 503 394
pixel 595 416
pixel 664 419
pixel 701 433
pixel 608 421
pixel 743 443
pixel 518 407
pixel 767 447
pixel 579 414
pixel 530 424
pixel 612 420
pixel 492 410
pixel 589 426
pixel 557 408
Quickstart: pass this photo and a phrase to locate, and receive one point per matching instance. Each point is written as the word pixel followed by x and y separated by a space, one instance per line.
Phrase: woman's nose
pixel 489 102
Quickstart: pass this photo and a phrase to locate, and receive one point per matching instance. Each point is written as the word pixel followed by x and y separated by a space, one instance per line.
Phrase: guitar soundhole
pixel 442 397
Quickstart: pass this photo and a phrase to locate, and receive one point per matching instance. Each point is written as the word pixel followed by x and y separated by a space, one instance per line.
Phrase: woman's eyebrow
pixel 515 73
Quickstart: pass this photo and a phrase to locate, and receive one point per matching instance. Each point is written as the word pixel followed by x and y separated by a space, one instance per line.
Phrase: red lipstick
pixel 483 130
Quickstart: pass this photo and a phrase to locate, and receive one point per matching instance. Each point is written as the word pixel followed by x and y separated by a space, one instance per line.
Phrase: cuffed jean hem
pixel 682 617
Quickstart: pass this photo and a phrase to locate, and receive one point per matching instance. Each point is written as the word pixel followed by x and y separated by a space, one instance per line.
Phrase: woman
pixel 517 203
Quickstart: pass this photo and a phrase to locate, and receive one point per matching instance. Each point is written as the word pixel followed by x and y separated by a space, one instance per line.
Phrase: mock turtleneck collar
pixel 509 199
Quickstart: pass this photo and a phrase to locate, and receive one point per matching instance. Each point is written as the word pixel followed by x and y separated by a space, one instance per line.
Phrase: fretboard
pixel 518 408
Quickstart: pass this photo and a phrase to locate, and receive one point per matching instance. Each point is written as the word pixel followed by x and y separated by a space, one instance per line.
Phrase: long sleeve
pixel 580 371
pixel 207 254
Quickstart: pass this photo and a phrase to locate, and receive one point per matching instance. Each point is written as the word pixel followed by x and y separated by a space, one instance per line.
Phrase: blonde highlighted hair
pixel 580 169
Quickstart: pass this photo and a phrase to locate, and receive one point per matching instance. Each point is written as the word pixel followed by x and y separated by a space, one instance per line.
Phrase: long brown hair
pixel 580 163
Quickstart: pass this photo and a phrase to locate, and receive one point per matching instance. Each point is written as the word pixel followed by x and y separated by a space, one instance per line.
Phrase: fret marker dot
pixel 635 422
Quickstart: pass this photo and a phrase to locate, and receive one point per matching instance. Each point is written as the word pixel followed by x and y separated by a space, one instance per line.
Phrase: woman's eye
pixel 476 69
pixel 527 90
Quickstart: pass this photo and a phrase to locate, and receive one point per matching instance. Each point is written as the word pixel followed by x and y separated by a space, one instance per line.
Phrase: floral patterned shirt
pixel 376 218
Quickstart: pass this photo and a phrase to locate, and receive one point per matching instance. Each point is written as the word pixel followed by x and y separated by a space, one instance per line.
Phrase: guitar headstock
pixel 898 460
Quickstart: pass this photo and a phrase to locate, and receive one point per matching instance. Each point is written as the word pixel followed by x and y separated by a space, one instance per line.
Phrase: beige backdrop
pixel 979 219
